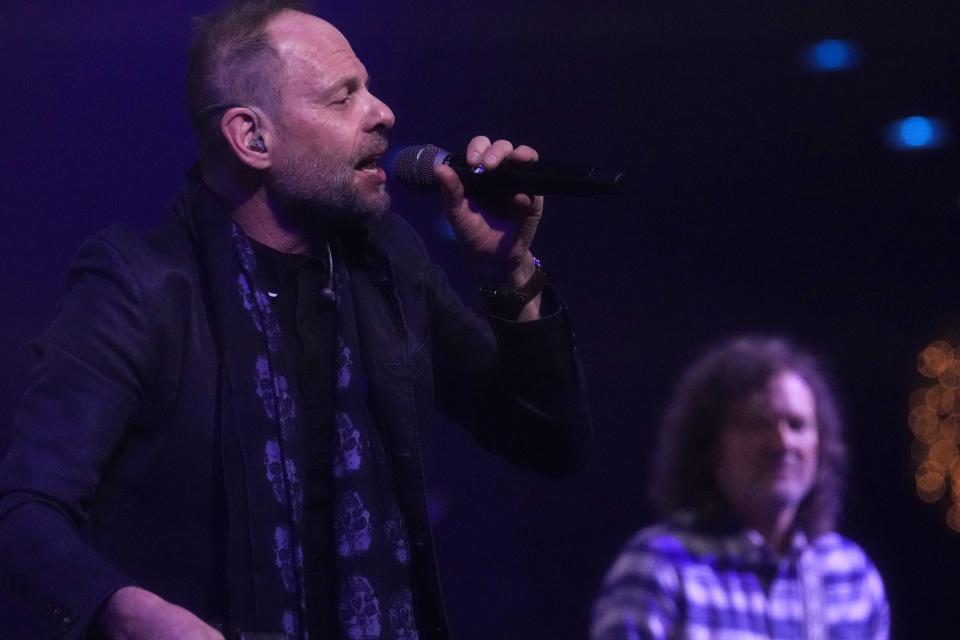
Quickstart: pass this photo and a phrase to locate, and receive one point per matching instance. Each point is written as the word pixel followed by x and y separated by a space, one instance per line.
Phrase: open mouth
pixel 370 164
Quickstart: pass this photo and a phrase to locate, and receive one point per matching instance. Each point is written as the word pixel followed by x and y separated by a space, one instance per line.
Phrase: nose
pixel 780 435
pixel 380 115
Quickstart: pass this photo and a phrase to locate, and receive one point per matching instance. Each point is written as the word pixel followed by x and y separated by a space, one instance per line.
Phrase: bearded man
pixel 748 473
pixel 222 437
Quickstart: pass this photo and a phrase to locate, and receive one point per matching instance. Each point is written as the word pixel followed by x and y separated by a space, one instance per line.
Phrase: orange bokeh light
pixel 935 359
pixel 934 420
pixel 953 517
pixel 918 397
pixel 923 423
pixel 931 487
pixel 950 376
pixel 943 453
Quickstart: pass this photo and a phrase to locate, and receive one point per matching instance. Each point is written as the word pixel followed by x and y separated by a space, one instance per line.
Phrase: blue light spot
pixel 916 133
pixel 832 55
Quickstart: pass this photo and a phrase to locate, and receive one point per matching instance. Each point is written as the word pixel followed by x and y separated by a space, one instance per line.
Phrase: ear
pixel 242 128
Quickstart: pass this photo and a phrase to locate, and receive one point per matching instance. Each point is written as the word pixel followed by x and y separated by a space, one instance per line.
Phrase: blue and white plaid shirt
pixel 677 580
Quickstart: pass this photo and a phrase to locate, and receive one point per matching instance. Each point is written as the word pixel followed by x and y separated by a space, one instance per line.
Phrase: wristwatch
pixel 508 301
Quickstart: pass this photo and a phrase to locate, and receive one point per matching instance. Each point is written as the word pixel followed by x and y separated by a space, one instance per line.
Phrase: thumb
pixel 451 188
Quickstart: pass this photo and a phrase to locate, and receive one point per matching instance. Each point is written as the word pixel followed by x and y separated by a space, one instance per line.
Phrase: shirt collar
pixel 740 539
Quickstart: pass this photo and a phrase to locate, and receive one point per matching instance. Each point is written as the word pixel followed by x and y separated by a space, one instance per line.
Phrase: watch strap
pixel 508 301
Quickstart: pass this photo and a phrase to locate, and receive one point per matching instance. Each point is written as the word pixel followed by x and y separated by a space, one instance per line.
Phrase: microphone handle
pixel 538 178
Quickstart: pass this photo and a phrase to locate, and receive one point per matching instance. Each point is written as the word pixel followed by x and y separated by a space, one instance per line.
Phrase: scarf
pixel 372 554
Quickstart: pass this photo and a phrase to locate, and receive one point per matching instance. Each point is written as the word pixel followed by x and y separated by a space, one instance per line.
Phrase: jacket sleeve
pixel 517 386
pixel 84 387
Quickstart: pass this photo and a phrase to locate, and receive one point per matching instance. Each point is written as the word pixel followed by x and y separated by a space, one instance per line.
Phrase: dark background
pixel 763 199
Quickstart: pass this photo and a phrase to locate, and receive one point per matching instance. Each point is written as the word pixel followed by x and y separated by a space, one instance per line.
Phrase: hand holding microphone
pixel 505 185
pixel 496 227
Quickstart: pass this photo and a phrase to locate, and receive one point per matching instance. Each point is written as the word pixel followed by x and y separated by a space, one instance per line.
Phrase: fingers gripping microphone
pixel 414 169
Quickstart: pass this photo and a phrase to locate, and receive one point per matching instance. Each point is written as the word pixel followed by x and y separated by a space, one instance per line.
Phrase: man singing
pixel 222 436
pixel 749 471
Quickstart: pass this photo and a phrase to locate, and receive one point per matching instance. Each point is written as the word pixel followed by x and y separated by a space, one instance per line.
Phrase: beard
pixel 318 191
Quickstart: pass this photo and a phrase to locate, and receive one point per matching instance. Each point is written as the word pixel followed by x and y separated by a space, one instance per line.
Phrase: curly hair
pixel 724 375
pixel 232 61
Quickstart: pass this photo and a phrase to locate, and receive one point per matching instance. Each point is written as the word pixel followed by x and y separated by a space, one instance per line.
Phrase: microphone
pixel 413 168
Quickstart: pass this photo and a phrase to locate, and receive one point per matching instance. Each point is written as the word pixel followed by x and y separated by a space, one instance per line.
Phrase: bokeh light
pixel 918 398
pixel 930 487
pixel 934 420
pixel 916 133
pixel 953 517
pixel 934 358
pixel 832 55
pixel 924 424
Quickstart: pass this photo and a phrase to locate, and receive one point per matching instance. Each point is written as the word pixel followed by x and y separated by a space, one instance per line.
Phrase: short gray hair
pixel 232 63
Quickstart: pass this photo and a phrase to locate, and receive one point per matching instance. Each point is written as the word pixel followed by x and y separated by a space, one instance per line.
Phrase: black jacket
pixel 113 476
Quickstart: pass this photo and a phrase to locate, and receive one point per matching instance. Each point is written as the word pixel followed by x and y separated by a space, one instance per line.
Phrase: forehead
pixel 312 48
pixel 786 393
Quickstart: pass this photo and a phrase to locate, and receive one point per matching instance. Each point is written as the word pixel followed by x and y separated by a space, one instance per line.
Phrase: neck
pixel 260 216
pixel 775 527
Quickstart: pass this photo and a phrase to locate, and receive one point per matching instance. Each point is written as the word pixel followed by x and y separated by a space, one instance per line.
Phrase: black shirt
pixel 307 318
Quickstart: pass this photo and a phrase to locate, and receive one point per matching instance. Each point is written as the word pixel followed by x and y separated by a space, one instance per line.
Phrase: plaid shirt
pixel 678 580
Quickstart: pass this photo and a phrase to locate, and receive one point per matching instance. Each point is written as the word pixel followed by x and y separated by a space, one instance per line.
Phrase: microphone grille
pixel 413 167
